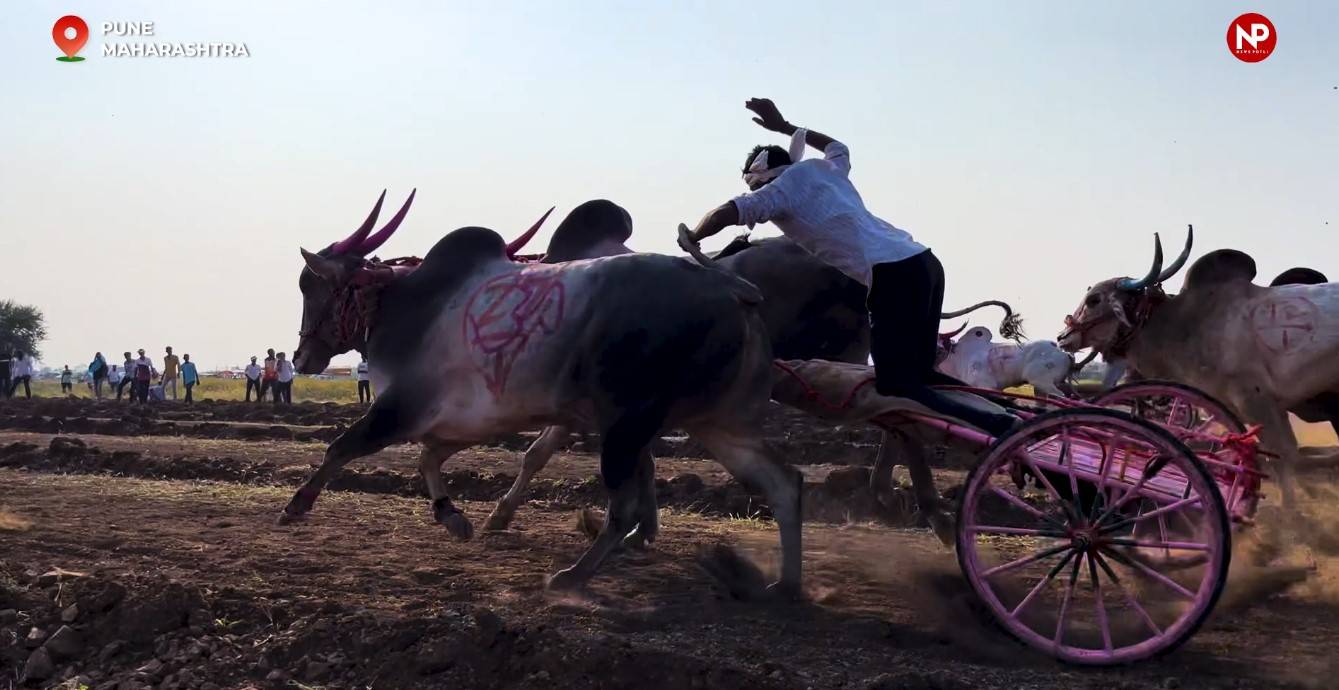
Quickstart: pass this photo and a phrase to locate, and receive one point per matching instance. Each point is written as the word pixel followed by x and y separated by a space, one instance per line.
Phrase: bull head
pixel 327 276
pixel 1104 317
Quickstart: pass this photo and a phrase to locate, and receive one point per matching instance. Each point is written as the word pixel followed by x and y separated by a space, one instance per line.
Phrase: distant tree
pixel 22 328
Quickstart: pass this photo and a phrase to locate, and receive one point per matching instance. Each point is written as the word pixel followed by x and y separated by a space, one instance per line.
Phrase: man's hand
pixel 686 241
pixel 768 115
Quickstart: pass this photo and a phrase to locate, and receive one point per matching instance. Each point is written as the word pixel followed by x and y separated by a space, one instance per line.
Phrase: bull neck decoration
pixel 1148 300
pixel 355 310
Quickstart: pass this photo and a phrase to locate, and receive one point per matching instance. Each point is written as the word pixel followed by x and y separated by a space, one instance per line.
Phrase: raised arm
pixel 716 220
pixel 769 118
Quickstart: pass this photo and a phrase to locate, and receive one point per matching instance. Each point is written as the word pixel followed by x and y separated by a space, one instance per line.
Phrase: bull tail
pixel 1011 326
pixel 743 290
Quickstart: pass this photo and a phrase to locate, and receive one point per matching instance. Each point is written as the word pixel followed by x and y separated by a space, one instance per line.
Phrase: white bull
pixel 976 361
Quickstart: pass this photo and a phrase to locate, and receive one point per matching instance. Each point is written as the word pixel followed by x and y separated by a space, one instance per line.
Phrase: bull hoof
pixel 943 525
pixel 287 518
pixel 497 521
pixel 564 581
pixel 458 525
pixel 785 591
pixel 638 541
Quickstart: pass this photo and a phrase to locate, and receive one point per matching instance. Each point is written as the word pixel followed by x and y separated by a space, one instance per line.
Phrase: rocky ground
pixel 140 551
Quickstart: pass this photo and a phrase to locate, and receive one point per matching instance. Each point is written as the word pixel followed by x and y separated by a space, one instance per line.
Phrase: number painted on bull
pixel 504 315
pixel 1284 324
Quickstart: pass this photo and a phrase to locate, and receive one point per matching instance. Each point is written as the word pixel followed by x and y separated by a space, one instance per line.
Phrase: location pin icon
pixel 68 45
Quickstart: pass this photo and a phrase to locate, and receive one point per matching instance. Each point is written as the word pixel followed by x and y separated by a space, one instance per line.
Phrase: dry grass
pixel 9 522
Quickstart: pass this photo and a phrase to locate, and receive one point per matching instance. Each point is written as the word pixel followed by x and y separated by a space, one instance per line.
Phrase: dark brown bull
pixel 470 345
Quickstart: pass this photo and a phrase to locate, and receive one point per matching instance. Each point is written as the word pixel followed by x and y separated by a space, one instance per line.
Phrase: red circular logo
pixel 1251 37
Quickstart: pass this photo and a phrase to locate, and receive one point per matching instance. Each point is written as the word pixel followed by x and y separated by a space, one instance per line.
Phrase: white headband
pixel 758 170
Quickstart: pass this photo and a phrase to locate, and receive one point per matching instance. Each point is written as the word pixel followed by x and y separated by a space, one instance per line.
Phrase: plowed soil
pixel 152 559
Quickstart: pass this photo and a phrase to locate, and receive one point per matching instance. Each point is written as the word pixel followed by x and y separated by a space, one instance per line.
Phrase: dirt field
pixel 141 550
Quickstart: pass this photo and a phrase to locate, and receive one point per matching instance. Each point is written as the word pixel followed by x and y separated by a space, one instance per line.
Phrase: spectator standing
pixel 97 370
pixel 171 369
pixel 253 380
pixel 67 380
pixel 189 376
pixel 6 370
pixel 144 373
pixel 283 380
pixel 127 377
pixel 114 377
pixel 364 382
pixel 267 379
pixel 21 372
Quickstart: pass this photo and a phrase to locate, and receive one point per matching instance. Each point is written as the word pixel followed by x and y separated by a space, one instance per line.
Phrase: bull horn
pixel 1130 284
pixel 517 244
pixel 1180 260
pixel 1075 368
pixel 954 334
pixel 356 239
pixel 375 241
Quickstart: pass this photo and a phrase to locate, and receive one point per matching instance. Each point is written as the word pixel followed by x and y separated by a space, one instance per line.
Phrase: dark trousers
pixel 189 386
pixel 282 392
pixel 27 387
pixel 140 392
pixel 121 386
pixel 66 387
pixel 267 386
pixel 364 391
pixel 251 385
pixel 4 386
pixel 905 299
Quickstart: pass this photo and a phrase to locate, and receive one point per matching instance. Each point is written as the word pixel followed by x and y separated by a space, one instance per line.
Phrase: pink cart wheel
pixel 1049 536
pixel 1173 405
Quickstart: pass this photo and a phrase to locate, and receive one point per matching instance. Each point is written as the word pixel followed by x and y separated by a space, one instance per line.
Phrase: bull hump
pixel 1221 266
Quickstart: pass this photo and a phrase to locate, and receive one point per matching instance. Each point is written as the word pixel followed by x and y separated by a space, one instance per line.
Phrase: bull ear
pixel 1119 310
pixel 326 268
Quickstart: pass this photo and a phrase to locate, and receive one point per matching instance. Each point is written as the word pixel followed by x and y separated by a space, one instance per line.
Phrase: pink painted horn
pixel 356 239
pixel 517 244
pixel 954 334
pixel 372 243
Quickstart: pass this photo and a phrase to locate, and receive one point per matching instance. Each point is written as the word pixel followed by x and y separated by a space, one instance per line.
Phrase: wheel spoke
pixel 1129 598
pixel 1100 605
pixel 1151 573
pixel 1020 503
pixel 1020 531
pixel 1064 604
pixel 1171 507
pixel 1011 565
pixel 1165 545
pixel 1042 584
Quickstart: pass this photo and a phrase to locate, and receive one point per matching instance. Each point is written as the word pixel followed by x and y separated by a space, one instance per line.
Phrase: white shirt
pixel 284 369
pixel 814 203
pixel 114 376
pixel 253 371
pixel 144 362
pixel 21 367
pixel 361 371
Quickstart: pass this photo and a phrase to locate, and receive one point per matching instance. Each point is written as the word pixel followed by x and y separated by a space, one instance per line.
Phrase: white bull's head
pixel 1107 314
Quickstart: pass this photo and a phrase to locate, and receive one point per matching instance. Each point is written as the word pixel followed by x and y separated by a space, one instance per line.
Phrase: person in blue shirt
pixel 189 376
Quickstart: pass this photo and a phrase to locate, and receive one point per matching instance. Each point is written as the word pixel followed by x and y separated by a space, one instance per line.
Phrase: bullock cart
pixel 1099 533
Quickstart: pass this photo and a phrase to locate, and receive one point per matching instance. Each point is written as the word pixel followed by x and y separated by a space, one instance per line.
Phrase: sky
pixel 1035 146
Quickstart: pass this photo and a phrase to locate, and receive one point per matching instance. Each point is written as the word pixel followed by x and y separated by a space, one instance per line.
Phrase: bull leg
pixel 1276 435
pixel 648 510
pixel 536 457
pixel 748 458
pixel 621 458
pixel 380 427
pixel 922 481
pixel 446 514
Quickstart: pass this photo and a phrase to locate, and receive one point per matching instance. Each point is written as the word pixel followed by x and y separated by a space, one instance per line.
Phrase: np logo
pixel 70 34
pixel 1251 37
